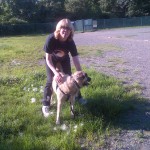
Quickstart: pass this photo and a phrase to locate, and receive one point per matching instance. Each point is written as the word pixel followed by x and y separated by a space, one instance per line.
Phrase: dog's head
pixel 81 78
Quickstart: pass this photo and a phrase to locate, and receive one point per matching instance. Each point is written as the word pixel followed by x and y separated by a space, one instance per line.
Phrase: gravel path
pixel 131 64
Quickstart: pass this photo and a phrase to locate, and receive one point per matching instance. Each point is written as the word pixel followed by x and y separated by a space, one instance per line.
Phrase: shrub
pixel 15 20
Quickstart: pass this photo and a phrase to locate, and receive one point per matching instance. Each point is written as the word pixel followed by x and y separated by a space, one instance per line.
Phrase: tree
pixel 138 8
pixel 6 13
pixel 33 10
pixel 111 8
pixel 81 9
pixel 18 11
pixel 50 10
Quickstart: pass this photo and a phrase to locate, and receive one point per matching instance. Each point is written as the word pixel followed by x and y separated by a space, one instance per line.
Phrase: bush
pixel 15 20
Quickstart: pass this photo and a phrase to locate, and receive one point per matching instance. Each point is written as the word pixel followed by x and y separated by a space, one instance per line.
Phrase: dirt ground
pixel 131 65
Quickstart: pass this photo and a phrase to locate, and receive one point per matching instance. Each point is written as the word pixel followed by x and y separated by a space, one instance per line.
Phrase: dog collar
pixel 75 82
pixel 68 95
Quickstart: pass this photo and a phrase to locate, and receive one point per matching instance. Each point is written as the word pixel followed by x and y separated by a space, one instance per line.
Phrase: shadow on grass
pixel 117 104
pixel 131 114
pixel 136 119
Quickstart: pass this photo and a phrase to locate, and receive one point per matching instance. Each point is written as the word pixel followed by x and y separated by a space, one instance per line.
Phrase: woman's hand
pixel 58 77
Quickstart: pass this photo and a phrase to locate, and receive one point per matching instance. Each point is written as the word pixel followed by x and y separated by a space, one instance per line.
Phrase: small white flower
pixel 51 112
pixel 24 88
pixel 28 89
pixel 31 85
pixel 81 124
pixel 33 100
pixel 68 132
pixel 14 62
pixel 75 130
pixel 41 90
pixel 75 127
pixel 82 145
pixel 54 128
pixel 64 127
pixel 41 87
pixel 35 89
pixel 53 102
pixel 20 134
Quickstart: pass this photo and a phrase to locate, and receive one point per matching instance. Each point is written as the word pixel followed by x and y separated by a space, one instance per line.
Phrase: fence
pixel 26 28
pixel 79 25
pixel 123 22
pixel 90 25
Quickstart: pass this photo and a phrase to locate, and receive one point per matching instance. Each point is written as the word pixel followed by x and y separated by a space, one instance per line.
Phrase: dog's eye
pixel 80 76
pixel 83 77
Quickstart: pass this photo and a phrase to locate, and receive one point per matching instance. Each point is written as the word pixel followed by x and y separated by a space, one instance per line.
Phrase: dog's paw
pixel 72 116
pixel 58 122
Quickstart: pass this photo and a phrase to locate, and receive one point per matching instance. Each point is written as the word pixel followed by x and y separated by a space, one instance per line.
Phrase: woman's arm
pixel 50 63
pixel 76 63
pixel 51 66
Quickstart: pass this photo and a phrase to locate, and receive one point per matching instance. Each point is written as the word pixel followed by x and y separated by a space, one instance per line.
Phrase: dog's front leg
pixel 59 103
pixel 72 101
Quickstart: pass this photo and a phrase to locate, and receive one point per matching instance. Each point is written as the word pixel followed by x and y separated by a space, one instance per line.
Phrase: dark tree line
pixel 24 11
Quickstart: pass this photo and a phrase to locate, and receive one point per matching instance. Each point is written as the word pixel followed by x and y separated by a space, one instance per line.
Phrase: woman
pixel 57 48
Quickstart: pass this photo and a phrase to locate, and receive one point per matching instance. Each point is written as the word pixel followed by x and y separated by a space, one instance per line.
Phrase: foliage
pixel 16 21
pixel 52 10
pixel 88 9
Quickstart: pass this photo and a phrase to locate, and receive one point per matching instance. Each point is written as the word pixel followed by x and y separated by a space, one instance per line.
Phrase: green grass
pixel 22 125
pixel 97 50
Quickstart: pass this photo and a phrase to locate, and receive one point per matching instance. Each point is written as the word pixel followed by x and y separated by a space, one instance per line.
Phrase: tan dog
pixel 69 89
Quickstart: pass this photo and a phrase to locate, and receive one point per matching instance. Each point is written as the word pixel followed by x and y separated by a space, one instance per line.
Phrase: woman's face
pixel 64 33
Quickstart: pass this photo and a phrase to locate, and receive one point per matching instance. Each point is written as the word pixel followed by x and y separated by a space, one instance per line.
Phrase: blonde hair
pixel 66 23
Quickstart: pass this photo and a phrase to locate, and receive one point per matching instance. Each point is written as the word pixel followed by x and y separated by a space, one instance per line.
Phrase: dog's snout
pixel 86 83
pixel 88 79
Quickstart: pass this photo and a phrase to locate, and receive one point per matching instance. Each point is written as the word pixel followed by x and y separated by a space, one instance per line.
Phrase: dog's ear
pixel 80 75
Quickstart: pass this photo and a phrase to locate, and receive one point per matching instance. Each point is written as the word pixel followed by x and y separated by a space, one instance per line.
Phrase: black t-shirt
pixel 58 49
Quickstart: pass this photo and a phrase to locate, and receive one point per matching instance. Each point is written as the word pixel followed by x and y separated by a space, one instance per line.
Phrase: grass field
pixel 22 125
